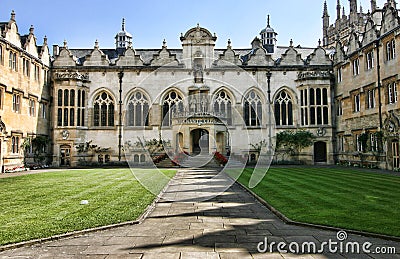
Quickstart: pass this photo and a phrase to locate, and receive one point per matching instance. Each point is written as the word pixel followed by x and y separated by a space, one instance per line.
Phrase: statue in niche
pixel 204 103
pixel 198 73
pixel 193 104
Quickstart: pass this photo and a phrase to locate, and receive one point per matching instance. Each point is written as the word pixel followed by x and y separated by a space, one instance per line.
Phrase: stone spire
pixel 325 24
pixel 353 12
pixel 353 6
pixel 373 6
pixel 325 13
pixel 392 3
pixel 338 9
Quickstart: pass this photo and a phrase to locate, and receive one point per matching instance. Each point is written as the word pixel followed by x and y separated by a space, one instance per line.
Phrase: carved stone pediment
pixel 198 35
pixel 391 124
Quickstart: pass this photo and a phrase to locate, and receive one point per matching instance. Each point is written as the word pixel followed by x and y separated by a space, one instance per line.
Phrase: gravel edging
pixel 142 217
pixel 286 220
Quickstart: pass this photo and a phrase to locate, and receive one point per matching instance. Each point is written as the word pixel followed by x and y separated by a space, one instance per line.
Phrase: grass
pixel 46 204
pixel 337 197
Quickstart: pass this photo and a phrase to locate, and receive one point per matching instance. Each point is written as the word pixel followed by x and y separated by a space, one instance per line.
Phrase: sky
pixel 81 22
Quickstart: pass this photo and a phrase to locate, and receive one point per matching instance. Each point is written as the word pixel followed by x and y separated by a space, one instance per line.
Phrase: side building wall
pixel 24 98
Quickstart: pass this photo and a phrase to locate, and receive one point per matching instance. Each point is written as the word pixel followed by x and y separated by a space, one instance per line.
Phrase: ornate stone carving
pixel 313 75
pixel 321 132
pixel 72 75
pixel 65 134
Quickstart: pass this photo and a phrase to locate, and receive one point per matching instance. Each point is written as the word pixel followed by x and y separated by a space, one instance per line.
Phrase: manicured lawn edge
pixel 286 220
pixel 147 211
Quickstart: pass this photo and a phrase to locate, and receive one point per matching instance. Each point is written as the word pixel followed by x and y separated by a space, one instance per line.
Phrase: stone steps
pixel 201 160
pixel 166 163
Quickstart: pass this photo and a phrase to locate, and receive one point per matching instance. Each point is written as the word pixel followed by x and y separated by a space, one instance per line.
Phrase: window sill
pixel 103 127
pixel 253 127
pixel 138 127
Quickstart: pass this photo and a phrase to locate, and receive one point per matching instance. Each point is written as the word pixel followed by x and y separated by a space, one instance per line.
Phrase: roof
pixel 148 54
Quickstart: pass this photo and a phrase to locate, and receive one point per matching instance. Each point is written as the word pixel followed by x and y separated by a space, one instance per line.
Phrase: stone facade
pixel 366 94
pixel 100 104
pixel 24 97
pixel 198 98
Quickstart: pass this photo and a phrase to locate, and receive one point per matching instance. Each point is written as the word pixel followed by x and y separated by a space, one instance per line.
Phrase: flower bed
pixel 15 169
pixel 221 159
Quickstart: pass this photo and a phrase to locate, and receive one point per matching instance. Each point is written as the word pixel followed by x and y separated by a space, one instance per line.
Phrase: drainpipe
pixel 120 76
pixel 269 112
pixel 378 68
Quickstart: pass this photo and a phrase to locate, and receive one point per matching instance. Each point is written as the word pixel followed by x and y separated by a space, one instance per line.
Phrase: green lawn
pixel 45 204
pixel 336 197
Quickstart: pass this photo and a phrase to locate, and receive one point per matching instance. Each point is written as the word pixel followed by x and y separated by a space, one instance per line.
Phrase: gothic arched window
pixel 223 105
pixel 103 110
pixel 252 109
pixel 138 110
pixel 172 103
pixel 283 109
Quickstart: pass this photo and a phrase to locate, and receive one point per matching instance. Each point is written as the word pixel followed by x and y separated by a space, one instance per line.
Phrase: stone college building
pixel 84 106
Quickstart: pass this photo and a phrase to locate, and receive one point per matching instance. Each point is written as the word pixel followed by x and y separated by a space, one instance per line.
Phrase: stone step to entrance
pixel 199 161
pixel 166 163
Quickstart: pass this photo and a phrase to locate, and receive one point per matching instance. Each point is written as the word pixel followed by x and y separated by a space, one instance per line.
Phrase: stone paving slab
pixel 202 214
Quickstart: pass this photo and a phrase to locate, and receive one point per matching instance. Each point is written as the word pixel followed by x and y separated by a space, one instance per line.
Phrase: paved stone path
pixel 193 219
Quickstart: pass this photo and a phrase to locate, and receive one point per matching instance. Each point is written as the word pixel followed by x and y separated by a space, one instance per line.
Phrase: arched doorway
pixel 221 142
pixel 320 153
pixel 1 159
pixel 65 155
pixel 396 154
pixel 200 141
pixel 179 142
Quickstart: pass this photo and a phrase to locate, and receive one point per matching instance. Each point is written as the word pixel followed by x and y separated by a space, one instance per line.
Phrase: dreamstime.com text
pixel 341 245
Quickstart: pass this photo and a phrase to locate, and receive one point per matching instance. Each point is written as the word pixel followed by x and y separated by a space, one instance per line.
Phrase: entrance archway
pixel 1 159
pixel 320 152
pixel 200 141
pixel 179 142
pixel 221 142
pixel 396 154
pixel 65 155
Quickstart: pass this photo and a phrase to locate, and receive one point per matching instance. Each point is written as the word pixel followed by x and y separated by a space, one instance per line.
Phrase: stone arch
pixel 257 90
pixel 161 97
pixel 97 92
pixel 226 89
pixel 104 107
pixel 253 107
pixel 132 91
pixel 172 101
pixel 222 103
pixel 283 108
pixel 137 108
pixel 287 89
